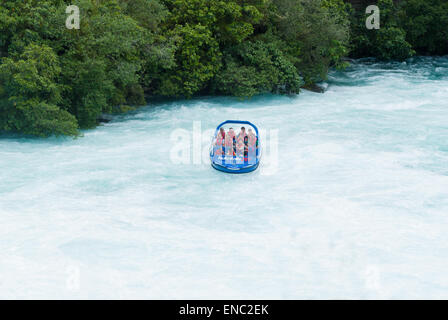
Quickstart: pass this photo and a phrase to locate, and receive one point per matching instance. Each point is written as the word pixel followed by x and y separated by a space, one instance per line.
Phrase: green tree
pixel 201 29
pixel 388 42
pixel 30 93
pixel 104 64
pixel 317 33
pixel 257 67
pixel 426 25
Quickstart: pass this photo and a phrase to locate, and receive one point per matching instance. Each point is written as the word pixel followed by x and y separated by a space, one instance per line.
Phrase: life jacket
pixel 230 143
pixel 219 144
pixel 241 145
pixel 220 140
pixel 240 139
pixel 229 139
pixel 246 147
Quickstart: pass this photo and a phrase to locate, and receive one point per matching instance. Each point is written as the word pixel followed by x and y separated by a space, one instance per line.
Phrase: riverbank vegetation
pixel 408 27
pixel 55 81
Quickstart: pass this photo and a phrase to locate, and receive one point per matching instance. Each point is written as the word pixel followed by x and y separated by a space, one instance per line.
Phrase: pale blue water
pixel 356 208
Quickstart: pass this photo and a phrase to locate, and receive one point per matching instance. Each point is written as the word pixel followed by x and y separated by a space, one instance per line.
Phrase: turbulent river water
pixel 351 199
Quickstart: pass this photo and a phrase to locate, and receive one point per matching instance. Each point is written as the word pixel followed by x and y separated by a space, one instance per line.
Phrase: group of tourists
pixel 228 143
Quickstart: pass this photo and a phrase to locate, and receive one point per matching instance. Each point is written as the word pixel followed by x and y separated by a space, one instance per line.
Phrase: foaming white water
pixel 357 208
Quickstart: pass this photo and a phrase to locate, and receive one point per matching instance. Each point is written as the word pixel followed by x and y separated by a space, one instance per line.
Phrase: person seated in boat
pixel 230 142
pixel 240 137
pixel 252 145
pixel 220 142
pixel 242 143
pixel 252 138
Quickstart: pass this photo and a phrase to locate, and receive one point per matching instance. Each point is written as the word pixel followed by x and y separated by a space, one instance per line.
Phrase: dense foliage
pixel 388 42
pixel 426 25
pixel 407 27
pixel 54 81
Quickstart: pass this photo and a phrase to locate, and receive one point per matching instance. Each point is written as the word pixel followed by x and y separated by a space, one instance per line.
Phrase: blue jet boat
pixel 235 152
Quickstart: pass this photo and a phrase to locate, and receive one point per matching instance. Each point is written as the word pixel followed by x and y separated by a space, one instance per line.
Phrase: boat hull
pixel 235 170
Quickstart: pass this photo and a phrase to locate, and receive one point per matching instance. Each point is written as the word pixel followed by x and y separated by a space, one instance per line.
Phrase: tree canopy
pixel 55 81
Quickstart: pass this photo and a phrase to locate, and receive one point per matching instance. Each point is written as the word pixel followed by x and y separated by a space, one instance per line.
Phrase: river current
pixel 350 201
